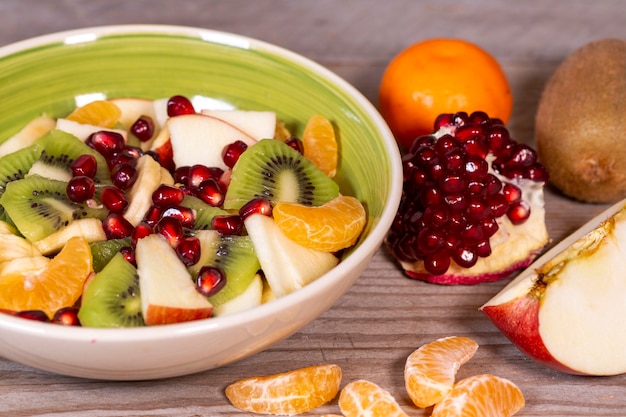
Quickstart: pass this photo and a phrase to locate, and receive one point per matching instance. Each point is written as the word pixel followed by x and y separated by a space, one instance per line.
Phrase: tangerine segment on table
pixel 438 76
pixel 99 113
pixel 363 398
pixel 287 393
pixel 320 145
pixel 330 227
pixel 481 396
pixel 58 285
pixel 430 371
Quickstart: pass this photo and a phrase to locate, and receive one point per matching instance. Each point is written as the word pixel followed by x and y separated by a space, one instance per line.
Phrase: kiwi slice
pixel 103 251
pixel 112 298
pixel 235 255
pixel 39 206
pixel 60 149
pixel 204 212
pixel 15 166
pixel 273 170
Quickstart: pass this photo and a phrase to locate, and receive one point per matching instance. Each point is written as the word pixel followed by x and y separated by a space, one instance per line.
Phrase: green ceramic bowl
pixel 55 73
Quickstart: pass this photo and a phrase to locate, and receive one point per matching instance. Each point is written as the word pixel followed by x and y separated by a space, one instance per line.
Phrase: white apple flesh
pixel 257 124
pixel 199 139
pixel 168 294
pixel 567 309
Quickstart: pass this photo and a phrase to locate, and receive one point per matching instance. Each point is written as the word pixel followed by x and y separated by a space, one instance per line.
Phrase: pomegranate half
pixel 472 208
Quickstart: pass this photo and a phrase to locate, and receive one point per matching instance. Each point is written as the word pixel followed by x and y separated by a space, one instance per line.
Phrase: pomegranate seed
pixel 80 189
pixel 232 152
pixel 498 205
pixel 537 173
pixel 477 209
pixel 113 199
pixel 211 192
pixel 129 254
pixel 181 175
pixel 518 212
pixel 85 165
pixel 295 143
pixel 452 184
pixel 188 250
pixel 511 193
pixel 460 118
pixel 468 131
pixel 524 155
pixel 445 144
pixel 436 216
pixel 185 215
pixel 227 224
pixel 142 230
pixel 171 229
pixel 66 316
pixel 483 248
pixel 256 206
pixel 124 157
pixel 472 233
pixel 199 173
pixel 437 263
pixel 35 315
pixel 453 160
pixel 179 105
pixel 116 226
pixel 167 196
pixel 143 128
pixel 106 142
pixel 124 176
pixel 153 215
pixel 479 118
pixel 465 257
pixel 430 240
pixel 431 196
pixel 489 226
pixel 210 280
pixel 443 120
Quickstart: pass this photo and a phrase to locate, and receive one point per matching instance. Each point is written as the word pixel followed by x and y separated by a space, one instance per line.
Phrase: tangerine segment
pixel 481 396
pixel 320 145
pixel 437 76
pixel 287 393
pixel 430 371
pixel 99 113
pixel 363 398
pixel 330 227
pixel 60 284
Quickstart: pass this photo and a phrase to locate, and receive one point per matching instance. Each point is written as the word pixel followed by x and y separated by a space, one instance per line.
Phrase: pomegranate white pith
pixel 567 309
pixel 472 208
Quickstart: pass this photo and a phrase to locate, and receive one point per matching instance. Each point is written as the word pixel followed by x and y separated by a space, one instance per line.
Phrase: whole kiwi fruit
pixel 580 125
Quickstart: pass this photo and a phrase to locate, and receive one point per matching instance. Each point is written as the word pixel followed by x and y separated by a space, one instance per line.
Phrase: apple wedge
pixel 287 265
pixel 168 295
pixel 132 108
pixel 199 139
pixel 567 309
pixel 27 135
pixel 257 124
pixel 82 130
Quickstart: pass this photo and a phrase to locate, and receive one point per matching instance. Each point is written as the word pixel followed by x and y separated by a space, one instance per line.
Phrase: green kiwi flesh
pixel 60 149
pixel 273 170
pixel 103 251
pixel 112 298
pixel 235 255
pixel 15 166
pixel 39 206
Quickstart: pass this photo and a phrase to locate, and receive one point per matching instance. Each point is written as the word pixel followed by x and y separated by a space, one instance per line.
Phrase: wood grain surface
pixel 385 316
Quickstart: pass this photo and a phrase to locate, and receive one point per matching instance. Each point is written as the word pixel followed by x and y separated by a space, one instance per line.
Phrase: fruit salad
pixel 132 212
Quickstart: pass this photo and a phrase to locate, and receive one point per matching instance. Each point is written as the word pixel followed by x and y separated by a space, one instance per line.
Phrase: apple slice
pixel 258 124
pixel 168 294
pixel 29 133
pixel 287 265
pixel 251 297
pixel 567 309
pixel 199 139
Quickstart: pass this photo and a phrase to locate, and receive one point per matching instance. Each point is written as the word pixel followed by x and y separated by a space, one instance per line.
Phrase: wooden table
pixel 385 316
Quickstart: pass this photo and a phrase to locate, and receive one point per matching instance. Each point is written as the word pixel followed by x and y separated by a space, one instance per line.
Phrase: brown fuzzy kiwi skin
pixel 580 125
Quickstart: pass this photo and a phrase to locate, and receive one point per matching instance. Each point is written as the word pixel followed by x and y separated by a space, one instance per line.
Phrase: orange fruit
pixel 320 145
pixel 287 393
pixel 99 113
pixel 59 284
pixel 481 396
pixel 430 371
pixel 330 227
pixel 438 76
pixel 363 398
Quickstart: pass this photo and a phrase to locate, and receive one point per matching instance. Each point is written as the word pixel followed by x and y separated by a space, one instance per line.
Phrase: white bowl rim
pixel 366 249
